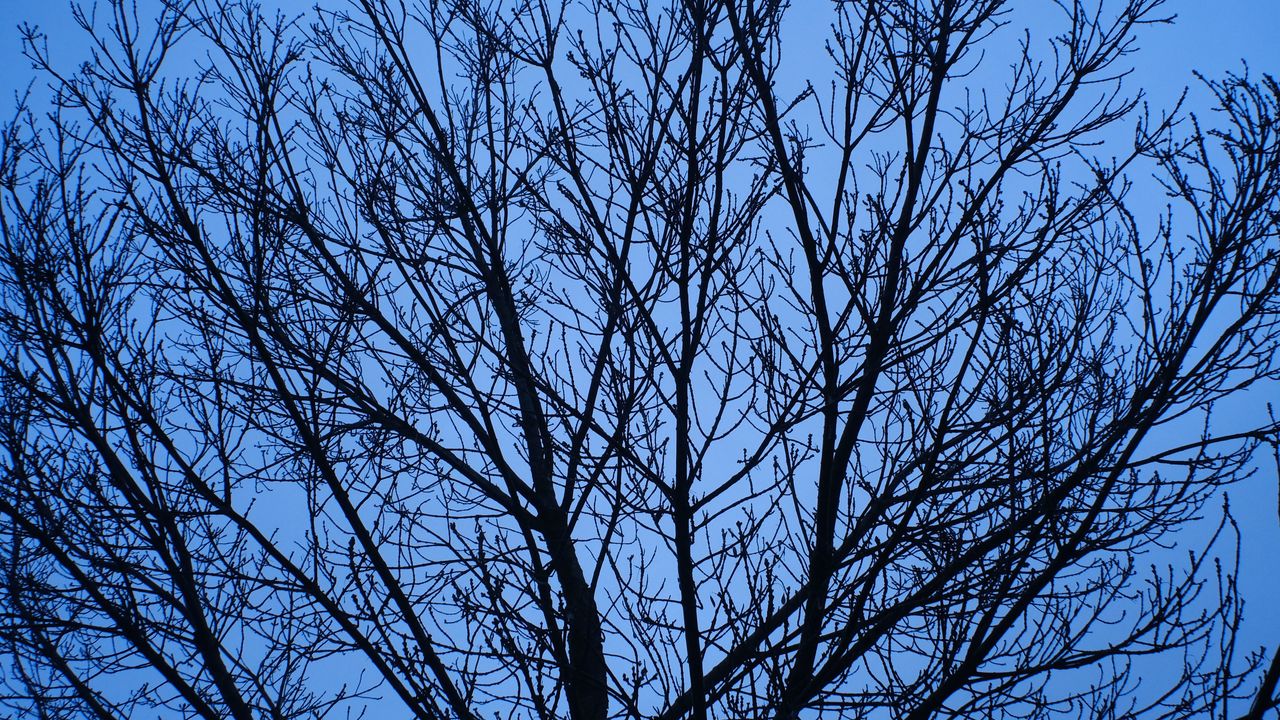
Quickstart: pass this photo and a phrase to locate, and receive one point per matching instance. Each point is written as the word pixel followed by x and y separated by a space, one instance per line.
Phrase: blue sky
pixel 1209 35
pixel 1212 37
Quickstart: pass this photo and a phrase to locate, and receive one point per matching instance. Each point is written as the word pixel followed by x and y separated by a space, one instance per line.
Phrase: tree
pixel 536 359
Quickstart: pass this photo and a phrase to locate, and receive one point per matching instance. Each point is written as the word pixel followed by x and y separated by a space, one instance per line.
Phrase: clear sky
pixel 1209 35
pixel 1212 36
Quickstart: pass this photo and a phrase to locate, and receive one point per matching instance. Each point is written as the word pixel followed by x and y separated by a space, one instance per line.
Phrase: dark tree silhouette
pixel 517 358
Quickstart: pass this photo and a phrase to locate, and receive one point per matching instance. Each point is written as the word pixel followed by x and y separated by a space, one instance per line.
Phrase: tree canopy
pixel 626 359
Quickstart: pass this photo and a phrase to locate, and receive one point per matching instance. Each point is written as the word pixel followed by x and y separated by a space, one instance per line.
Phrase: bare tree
pixel 534 359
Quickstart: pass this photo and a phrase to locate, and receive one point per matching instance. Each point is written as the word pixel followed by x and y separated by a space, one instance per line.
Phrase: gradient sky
pixel 1210 36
